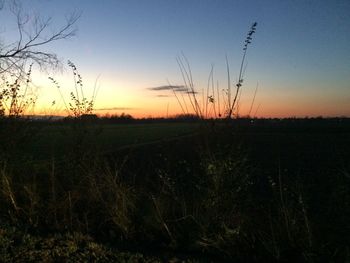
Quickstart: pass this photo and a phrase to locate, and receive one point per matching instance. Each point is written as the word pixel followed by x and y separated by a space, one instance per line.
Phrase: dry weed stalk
pixel 80 105
pixel 247 41
pixel 16 94
pixel 210 106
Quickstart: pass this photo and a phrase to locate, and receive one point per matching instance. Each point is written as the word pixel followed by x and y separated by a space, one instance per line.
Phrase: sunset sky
pixel 299 56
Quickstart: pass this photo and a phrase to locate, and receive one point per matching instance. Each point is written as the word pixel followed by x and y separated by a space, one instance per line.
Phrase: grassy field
pixel 52 141
pixel 273 190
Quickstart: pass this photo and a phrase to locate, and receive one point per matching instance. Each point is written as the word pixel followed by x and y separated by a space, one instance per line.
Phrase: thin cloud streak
pixel 115 108
pixel 169 87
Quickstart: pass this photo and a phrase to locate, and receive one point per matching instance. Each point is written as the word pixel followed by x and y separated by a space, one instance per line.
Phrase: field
pixel 247 190
pixel 52 141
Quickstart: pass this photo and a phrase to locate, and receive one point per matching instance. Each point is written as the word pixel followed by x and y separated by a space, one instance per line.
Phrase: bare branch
pixel 33 35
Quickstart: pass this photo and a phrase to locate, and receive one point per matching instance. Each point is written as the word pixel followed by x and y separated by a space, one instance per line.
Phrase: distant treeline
pixel 243 121
pixel 290 125
pixel 127 118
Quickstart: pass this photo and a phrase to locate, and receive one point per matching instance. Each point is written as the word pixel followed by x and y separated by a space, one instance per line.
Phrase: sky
pixel 299 58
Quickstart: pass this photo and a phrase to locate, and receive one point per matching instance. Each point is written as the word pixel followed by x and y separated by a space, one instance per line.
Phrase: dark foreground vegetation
pixel 245 190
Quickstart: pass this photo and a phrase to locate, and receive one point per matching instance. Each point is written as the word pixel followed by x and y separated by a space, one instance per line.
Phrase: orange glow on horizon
pixel 163 110
pixel 134 98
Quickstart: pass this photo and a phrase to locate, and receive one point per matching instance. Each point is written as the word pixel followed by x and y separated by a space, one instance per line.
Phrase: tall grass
pixel 177 196
pixel 79 105
pixel 17 95
pixel 209 106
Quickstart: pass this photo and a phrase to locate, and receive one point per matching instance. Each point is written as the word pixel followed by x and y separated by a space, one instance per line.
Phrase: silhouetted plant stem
pixel 251 106
pixel 240 76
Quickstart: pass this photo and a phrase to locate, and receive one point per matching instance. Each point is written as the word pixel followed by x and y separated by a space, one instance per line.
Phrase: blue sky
pixel 300 55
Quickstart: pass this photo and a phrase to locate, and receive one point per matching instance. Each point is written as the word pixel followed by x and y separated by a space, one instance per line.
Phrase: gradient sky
pixel 300 55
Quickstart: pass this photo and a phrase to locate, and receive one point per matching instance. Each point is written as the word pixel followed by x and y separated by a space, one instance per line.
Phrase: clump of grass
pixel 210 106
pixel 79 104
pixel 61 200
pixel 290 233
pixel 16 94
pixel 18 246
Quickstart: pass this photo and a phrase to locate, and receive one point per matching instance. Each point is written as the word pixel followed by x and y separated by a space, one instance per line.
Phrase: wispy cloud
pixel 169 87
pixel 176 88
pixel 191 92
pixel 114 108
pixel 184 89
